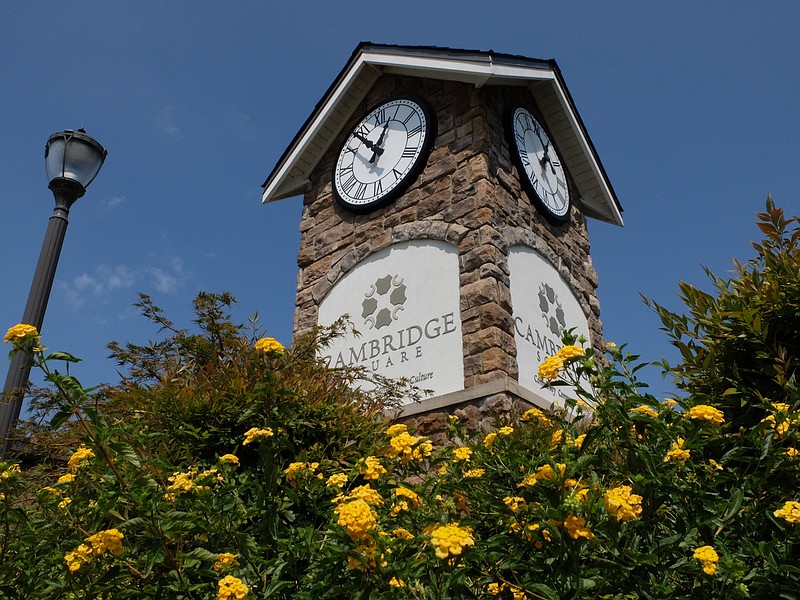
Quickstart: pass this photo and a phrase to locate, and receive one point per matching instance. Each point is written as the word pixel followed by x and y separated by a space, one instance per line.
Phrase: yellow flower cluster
pixel 78 457
pixel 358 517
pixel 66 478
pixel 514 503
pixel 622 504
pixel 231 588
pixel 371 467
pixel 677 453
pixel 398 583
pixel 337 480
pixel 535 414
pixel 10 472
pixel 550 368
pixel 109 540
pixel 645 410
pixel 505 430
pixel 408 447
pixel 462 454
pixel 495 589
pixel 297 468
pixel 782 410
pixel 225 560
pixel 704 412
pixel 365 493
pixel 181 483
pixel 575 527
pixel 451 539
pixel 488 441
pixel 708 557
pixel 474 473
pixel 255 434
pixel 412 496
pixel 229 459
pixel 20 333
pixel 268 344
pixel 553 365
pixel 65 502
pixel 790 511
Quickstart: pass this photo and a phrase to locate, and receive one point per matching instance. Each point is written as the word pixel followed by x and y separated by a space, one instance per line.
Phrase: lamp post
pixel 72 161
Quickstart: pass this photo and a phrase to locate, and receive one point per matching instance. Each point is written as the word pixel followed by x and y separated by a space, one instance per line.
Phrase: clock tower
pixel 445 198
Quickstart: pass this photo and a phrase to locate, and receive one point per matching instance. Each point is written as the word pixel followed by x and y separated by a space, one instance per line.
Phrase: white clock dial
pixel 383 154
pixel 536 157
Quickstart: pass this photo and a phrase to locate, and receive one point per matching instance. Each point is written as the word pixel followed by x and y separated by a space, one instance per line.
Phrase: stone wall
pixel 467 195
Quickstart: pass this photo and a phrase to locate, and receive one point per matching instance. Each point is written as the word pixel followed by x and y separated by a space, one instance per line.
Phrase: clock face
pixel 542 173
pixel 383 154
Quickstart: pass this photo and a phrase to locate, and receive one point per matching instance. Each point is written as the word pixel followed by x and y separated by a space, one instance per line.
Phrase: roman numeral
pixel 360 191
pixel 409 152
pixel 415 131
pixel 377 187
pixel 348 185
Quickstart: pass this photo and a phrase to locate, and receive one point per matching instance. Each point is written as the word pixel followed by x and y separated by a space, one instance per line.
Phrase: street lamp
pixel 72 161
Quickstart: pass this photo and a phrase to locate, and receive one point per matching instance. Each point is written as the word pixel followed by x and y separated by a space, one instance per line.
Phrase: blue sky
pixel 693 109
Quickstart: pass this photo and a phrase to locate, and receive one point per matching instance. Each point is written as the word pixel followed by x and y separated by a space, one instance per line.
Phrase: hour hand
pixel 364 140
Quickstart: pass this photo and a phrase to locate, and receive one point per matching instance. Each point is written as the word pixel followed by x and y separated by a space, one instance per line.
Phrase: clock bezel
pixel 524 178
pixel 410 176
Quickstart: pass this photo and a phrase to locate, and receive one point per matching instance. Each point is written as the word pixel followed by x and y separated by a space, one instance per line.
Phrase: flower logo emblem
pixel 552 311
pixel 383 301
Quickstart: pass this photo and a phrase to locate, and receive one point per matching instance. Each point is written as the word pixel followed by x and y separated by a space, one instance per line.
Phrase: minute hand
pixel 364 140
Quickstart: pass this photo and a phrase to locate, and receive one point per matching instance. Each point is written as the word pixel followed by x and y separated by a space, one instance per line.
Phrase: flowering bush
pixel 217 470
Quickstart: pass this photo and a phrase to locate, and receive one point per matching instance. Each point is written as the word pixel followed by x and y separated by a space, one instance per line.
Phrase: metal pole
pixel 20 368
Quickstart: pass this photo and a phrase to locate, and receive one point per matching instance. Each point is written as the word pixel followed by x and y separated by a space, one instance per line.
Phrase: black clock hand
pixel 365 141
pixel 378 150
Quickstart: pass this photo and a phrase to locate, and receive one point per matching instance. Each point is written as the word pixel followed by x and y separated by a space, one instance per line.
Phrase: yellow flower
pixel 229 459
pixel 528 480
pixel 703 412
pixel 409 447
pixel 79 456
pixel 550 368
pixel 358 517
pixel 669 403
pixel 396 430
pixel 622 504
pixel 506 430
pixel 64 503
pixel 402 492
pixel 792 452
pixel 495 589
pixel 231 588
pixel 269 344
pixel 576 527
pixel 255 433
pixel 462 454
pixel 708 557
pixel 677 452
pixel 337 480
pixel 66 478
pixel 78 557
pixel 398 583
pixel 225 560
pixel 371 468
pixel 107 540
pixel 402 534
pixel 548 473
pixel 645 410
pixel 536 414
pixel 611 345
pixel 367 494
pixel 474 473
pixel 569 352
pixel 20 333
pixel 514 503
pixel 451 539
pixel 9 472
pixel 578 443
pixel 488 441
pixel 790 512
pixel 297 468
pixel 556 437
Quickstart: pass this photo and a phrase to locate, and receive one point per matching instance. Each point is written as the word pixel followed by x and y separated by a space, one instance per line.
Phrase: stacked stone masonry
pixel 468 195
